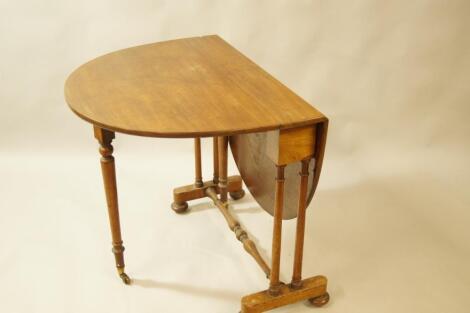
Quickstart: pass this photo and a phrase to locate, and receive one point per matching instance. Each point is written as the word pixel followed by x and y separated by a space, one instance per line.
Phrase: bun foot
pixel 235 195
pixel 320 300
pixel 179 207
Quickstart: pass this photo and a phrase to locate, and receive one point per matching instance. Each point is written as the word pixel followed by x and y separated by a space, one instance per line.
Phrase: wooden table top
pixel 193 87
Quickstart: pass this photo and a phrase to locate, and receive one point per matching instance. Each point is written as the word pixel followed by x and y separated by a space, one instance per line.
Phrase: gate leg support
pixel 279 294
pixel 274 284
pixel 300 231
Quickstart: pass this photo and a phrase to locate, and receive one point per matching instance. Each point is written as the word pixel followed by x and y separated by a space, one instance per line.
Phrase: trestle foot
pixel 313 289
pixel 182 195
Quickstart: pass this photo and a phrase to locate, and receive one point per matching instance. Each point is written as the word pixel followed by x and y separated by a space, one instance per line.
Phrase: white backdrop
pixel 390 222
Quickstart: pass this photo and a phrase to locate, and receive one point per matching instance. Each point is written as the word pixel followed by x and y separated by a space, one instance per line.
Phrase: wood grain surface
pixel 193 87
pixel 258 170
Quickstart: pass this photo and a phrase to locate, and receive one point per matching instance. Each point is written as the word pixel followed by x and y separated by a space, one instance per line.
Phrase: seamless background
pixel 390 221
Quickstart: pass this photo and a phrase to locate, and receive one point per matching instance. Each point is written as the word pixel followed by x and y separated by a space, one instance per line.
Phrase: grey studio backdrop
pixel 389 225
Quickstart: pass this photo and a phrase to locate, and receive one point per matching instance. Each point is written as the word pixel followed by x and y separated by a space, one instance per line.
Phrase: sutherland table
pixel 203 87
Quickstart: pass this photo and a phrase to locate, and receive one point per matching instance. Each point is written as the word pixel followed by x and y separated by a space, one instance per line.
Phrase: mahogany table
pixel 203 87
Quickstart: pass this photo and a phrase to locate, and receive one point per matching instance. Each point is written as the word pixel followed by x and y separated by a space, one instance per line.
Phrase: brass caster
pixel 235 195
pixel 179 207
pixel 125 279
pixel 320 300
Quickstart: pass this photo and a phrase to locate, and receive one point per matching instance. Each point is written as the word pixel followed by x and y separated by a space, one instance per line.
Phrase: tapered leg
pixel 274 284
pixel 105 138
pixel 299 238
pixel 222 147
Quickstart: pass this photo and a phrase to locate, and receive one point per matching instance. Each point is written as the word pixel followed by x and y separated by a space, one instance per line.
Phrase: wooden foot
pixel 320 300
pixel 190 192
pixel 313 289
pixel 179 207
pixel 236 195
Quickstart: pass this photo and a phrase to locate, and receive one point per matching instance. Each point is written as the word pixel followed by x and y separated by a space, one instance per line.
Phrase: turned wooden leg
pixel 220 165
pixel 274 284
pixel 108 171
pixel 216 160
pixel 222 147
pixel 182 206
pixel 300 231
pixel 197 162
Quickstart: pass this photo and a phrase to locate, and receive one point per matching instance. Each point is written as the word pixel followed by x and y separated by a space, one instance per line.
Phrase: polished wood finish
pixel 197 162
pixel 259 172
pixel 320 145
pixel 180 207
pixel 238 230
pixel 320 300
pixel 300 230
pixel 237 194
pixel 192 87
pixel 222 147
pixel 290 145
pixel 313 288
pixel 274 284
pixel 200 87
pixel 108 171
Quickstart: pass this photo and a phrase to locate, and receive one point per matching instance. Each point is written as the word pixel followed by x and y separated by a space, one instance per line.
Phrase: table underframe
pixel 278 293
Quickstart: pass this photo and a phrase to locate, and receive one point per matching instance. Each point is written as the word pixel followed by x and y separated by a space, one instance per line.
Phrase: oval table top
pixel 192 87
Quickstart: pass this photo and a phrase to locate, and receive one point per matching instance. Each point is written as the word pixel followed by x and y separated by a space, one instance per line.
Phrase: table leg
pixel 274 284
pixel 216 160
pixel 225 185
pixel 300 231
pixel 222 147
pixel 197 162
pixel 108 171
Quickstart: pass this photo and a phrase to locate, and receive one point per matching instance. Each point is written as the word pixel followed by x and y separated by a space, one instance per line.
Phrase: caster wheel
pixel 320 300
pixel 125 279
pixel 235 195
pixel 179 207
